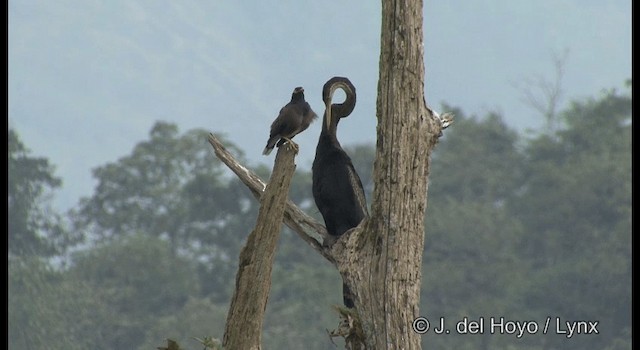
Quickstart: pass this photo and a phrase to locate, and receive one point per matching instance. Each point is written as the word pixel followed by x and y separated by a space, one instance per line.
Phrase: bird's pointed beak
pixel 328 113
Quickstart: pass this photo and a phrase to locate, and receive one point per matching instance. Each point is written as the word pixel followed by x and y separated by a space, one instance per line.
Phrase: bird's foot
pixel 293 145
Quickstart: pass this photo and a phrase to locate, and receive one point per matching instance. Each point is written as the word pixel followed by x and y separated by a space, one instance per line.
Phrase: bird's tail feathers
pixel 270 144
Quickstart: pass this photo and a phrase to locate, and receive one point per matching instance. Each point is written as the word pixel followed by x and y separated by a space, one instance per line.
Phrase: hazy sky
pixel 88 79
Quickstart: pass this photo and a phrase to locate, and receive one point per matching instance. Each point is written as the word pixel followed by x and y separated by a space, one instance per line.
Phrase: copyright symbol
pixel 420 325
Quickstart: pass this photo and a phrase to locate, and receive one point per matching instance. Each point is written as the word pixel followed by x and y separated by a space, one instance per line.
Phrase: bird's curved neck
pixel 328 140
pixel 332 129
pixel 338 111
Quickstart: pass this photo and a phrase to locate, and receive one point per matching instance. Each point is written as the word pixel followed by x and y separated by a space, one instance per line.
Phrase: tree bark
pixel 381 259
pixel 243 328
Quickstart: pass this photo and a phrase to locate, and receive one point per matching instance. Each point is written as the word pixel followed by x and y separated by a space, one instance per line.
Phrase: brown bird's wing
pixel 293 119
pixel 308 116
pixel 287 124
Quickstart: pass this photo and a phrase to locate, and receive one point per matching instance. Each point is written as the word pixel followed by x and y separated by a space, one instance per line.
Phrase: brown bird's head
pixel 298 94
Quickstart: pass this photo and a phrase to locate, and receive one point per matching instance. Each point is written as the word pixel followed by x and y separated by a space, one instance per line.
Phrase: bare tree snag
pixel 381 259
pixel 544 95
pixel 304 225
pixel 244 321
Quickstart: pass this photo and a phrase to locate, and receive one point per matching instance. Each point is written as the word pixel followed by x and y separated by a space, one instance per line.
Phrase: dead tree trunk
pixel 381 259
pixel 243 328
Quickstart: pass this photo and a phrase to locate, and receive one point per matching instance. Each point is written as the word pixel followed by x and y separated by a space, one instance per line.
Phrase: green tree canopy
pixel 139 281
pixel 172 187
pixel 49 310
pixel 470 237
pixel 34 228
pixel 575 205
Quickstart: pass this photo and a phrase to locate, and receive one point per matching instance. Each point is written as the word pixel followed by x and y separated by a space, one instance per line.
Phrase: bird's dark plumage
pixel 337 188
pixel 293 119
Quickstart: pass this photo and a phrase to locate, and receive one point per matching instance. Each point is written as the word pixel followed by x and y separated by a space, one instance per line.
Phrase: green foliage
pixel 299 309
pixel 578 184
pixel 34 229
pixel 170 186
pixel 173 187
pixel 469 266
pixel 576 202
pixel 139 280
pixel 476 160
pixel 197 319
pixel 48 310
pixel 533 232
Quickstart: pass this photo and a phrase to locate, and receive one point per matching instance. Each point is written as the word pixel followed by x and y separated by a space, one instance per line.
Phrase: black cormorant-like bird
pixel 293 119
pixel 337 188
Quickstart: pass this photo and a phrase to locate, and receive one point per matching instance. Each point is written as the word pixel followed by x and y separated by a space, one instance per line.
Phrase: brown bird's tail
pixel 270 144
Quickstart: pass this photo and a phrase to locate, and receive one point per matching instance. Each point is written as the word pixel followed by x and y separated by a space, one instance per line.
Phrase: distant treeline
pixel 532 228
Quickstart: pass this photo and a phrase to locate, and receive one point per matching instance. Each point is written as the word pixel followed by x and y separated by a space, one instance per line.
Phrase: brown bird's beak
pixel 333 89
pixel 327 107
